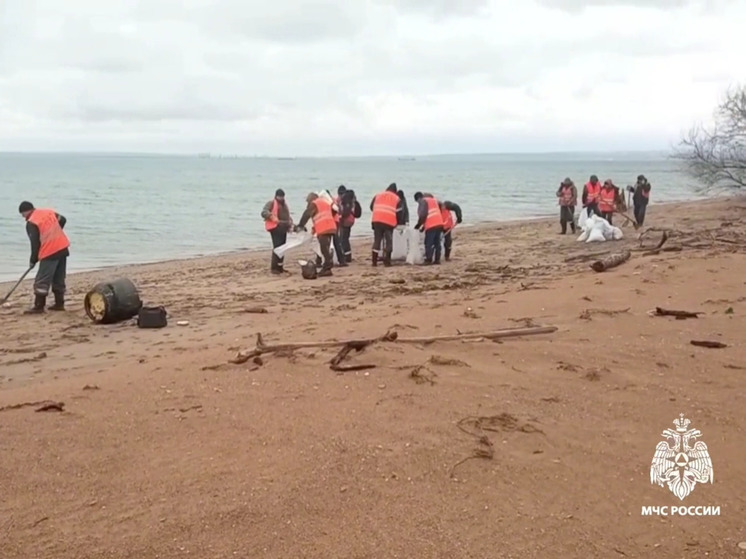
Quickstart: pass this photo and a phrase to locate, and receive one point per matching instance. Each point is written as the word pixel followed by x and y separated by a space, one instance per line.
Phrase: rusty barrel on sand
pixel 112 301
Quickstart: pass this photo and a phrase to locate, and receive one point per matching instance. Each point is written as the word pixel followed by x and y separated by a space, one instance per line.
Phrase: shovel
pixel 23 277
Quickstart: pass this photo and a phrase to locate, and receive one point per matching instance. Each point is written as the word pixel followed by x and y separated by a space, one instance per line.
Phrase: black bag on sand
pixel 152 317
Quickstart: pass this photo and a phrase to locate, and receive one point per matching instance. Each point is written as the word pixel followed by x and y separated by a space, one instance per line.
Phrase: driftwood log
pixel 347 346
pixel 678 314
pixel 707 343
pixel 611 261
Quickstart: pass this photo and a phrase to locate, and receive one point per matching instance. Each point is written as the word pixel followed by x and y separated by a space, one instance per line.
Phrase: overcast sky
pixel 359 77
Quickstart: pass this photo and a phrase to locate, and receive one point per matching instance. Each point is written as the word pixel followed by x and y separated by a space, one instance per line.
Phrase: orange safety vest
pixel 323 221
pixel 593 192
pixel 53 238
pixel 384 208
pixel 566 198
pixel 274 218
pixel 448 222
pixel 434 215
pixel 607 200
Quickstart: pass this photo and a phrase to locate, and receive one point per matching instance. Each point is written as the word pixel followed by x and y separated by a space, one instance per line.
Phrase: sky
pixel 362 77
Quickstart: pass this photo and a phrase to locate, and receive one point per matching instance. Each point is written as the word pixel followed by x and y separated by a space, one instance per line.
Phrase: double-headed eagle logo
pixel 679 461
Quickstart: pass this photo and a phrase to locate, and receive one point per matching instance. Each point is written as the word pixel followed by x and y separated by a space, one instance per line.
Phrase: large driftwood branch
pixel 611 261
pixel 390 337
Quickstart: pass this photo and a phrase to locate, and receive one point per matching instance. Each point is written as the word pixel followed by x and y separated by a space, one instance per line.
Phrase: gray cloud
pixel 287 72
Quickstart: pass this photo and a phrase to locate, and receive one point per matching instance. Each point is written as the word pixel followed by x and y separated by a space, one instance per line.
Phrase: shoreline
pixel 158 442
pixel 355 238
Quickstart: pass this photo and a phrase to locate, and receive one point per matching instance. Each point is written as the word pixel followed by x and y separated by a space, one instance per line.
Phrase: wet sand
pixel 165 449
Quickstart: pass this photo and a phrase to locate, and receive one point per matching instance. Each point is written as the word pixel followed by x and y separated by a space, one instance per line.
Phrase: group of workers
pixel 601 199
pixel 333 222
pixel 332 225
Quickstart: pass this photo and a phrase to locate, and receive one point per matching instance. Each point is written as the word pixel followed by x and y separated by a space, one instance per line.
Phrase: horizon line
pixel 211 155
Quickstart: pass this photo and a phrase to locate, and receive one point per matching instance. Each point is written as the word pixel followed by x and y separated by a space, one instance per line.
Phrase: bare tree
pixel 716 156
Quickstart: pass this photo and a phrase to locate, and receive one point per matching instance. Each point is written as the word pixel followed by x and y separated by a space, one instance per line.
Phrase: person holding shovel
pixel 50 249
pixel 277 221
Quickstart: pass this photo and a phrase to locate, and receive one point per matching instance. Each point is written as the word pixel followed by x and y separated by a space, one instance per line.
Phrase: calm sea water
pixel 124 209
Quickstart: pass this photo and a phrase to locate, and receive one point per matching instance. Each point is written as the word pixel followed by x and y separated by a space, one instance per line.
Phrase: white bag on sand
pixel 400 246
pixel 416 247
pixel 582 218
pixel 596 235
pixel 294 240
pixel 616 234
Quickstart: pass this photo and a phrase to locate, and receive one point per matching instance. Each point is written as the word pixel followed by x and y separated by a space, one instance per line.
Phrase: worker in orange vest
pixel 448 225
pixel 50 248
pixel 337 239
pixel 277 221
pixel 324 226
pixel 349 211
pixel 385 207
pixel 591 192
pixel 568 199
pixel 607 200
pixel 430 220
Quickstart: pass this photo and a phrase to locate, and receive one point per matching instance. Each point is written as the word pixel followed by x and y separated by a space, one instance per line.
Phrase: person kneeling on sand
pixel 568 199
pixel 324 226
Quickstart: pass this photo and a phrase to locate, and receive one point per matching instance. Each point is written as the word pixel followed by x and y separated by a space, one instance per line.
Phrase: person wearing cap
pixel 277 221
pixel 349 211
pixel 385 207
pixel 568 199
pixel 337 238
pixel 640 198
pixel 591 192
pixel 607 200
pixel 320 212
pixel 50 249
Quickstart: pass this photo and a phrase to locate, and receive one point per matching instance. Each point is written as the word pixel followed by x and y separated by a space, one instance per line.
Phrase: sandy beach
pixel 166 449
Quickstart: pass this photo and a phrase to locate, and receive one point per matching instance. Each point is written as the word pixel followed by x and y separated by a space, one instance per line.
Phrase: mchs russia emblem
pixel 681 461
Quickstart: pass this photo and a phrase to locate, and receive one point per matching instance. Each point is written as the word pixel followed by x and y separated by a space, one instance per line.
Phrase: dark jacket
pixel 349 207
pixel 422 210
pixel 455 208
pixel 641 188
pixel 283 214
pixel 402 214
pixel 32 230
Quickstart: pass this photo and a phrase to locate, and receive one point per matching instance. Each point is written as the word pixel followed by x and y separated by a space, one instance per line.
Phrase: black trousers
pixel 432 245
pixel 338 250
pixel 52 273
pixel 279 238
pixel 593 209
pixel 344 238
pixel 608 216
pixel 640 209
pixel 567 215
pixel 447 244
pixel 383 240
pixel 325 244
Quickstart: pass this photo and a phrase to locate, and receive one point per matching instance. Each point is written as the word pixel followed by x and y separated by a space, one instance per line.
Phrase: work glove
pixel 32 262
pixel 458 220
pixel 421 229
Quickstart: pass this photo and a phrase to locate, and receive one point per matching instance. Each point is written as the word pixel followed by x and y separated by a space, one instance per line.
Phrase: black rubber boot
pixel 39 302
pixel 325 272
pixel 387 259
pixel 573 227
pixel 59 302
pixel 374 258
pixel 447 254
pixel 348 258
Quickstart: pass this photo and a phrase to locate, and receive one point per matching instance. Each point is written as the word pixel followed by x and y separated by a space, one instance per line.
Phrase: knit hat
pixel 417 196
pixel 279 193
pixel 25 207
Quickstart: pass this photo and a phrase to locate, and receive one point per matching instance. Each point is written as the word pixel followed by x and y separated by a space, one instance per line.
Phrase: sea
pixel 129 208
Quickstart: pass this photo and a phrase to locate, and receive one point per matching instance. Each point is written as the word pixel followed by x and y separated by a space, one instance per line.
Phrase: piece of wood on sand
pixel 611 261
pixel 709 344
pixel 357 345
pixel 680 315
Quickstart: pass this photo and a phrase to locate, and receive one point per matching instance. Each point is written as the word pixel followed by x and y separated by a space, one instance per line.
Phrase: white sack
pixel 400 245
pixel 294 240
pixel 416 247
